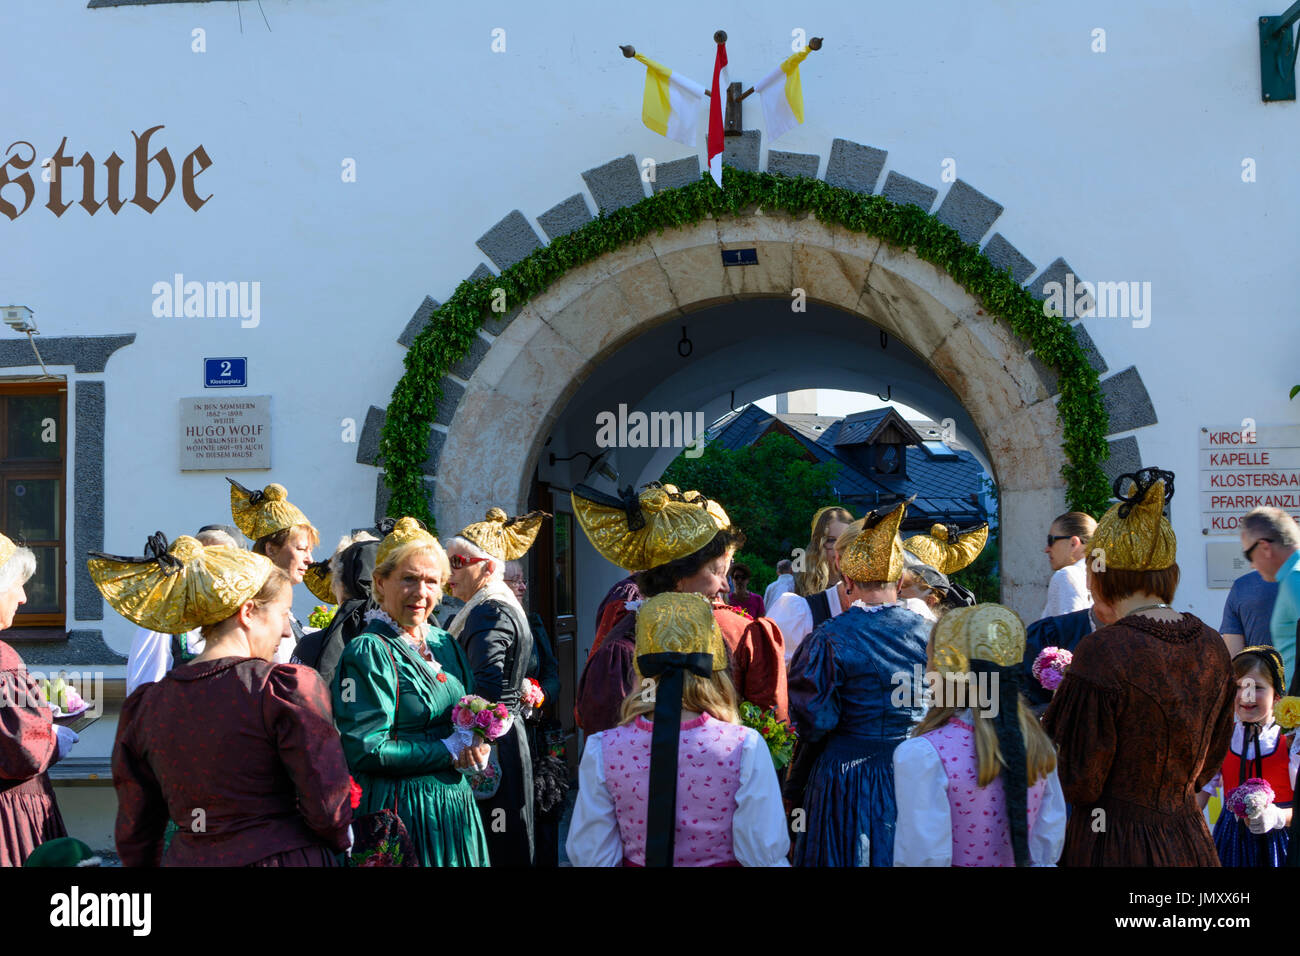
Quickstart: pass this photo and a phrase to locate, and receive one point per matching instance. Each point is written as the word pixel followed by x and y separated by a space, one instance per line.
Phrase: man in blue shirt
pixel 1248 612
pixel 1269 540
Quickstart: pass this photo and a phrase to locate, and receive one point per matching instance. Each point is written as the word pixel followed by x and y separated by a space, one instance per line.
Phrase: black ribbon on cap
pixel 385 526
pixel 661 814
pixel 155 550
pixel 627 500
pixel 1142 482
pixel 253 496
pixel 1015 774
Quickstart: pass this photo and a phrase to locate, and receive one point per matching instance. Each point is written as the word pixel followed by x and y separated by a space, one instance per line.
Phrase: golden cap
pixel 7 549
pixel 504 538
pixel 875 554
pixel 643 531
pixel 178 588
pixel 1134 534
pixel 405 530
pixel 985 632
pixel 948 556
pixel 679 623
pixel 317 579
pixel 259 513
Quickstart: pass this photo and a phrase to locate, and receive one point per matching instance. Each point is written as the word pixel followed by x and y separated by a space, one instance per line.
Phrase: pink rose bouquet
pixel 1249 799
pixel 1050 665
pixel 533 698
pixel 477 720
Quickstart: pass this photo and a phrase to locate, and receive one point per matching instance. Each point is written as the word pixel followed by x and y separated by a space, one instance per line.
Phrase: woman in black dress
pixel 493 629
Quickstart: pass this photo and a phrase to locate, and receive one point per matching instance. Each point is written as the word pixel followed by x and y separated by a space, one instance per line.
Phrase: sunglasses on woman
pixel 460 561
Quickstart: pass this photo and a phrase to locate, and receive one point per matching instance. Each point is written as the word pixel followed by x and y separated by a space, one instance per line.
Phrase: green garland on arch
pixel 403 446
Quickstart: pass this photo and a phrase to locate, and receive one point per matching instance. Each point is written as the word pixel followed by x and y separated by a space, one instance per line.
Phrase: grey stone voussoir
pixel 1124 458
pixel 676 173
pixel 1005 256
pixel 1056 272
pixel 510 240
pixel 1127 401
pixel 88 493
pixel 436 440
pixel 793 164
pixel 1052 381
pixel 854 166
pixel 464 368
pixel 969 211
pixel 566 216
pixel 903 191
pixel 741 152
pixel 368 442
pixel 418 322
pixel 451 395
pixel 615 184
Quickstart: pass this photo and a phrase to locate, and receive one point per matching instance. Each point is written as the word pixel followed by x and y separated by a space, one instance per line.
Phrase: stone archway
pixel 521 385
pixel 524 367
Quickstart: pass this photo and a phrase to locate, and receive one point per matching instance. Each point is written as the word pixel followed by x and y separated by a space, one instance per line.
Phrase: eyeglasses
pixel 1246 554
pixel 460 561
pixel 516 582
pixel 1053 538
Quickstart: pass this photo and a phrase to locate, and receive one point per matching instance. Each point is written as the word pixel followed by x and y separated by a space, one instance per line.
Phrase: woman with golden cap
pixel 279 530
pixel 638 803
pixel 853 700
pixel 394 691
pixel 1144 714
pixel 976 784
pixel 30 741
pixel 260 782
pixel 493 630
pixel 678 542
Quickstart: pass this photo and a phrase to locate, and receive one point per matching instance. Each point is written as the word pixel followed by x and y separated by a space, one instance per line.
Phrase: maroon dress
pixel 756 649
pixel 242 754
pixel 28 745
pixel 1143 719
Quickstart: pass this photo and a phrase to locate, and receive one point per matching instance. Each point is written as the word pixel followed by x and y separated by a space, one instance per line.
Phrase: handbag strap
pixel 397 699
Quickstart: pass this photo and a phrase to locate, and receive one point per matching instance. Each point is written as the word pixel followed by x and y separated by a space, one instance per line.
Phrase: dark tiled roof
pixel 941 483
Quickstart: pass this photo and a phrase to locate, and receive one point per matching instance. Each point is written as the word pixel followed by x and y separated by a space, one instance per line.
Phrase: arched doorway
pixel 520 389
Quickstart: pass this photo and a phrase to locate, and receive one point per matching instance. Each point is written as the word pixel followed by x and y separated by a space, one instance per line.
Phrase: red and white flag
pixel 715 113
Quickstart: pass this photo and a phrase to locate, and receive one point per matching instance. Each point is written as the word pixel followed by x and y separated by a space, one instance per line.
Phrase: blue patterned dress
pixel 853 685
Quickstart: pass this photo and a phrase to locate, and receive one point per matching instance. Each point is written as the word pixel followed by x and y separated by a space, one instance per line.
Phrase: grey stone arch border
pixel 852 166
pixel 86 354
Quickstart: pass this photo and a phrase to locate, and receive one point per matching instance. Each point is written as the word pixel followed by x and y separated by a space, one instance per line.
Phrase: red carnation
pixel 442 678
pixel 354 793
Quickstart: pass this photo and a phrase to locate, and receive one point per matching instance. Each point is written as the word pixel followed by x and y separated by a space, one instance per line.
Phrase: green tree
pixel 770 491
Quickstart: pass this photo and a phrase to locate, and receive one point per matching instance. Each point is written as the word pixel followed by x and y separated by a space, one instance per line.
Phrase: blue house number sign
pixel 225 373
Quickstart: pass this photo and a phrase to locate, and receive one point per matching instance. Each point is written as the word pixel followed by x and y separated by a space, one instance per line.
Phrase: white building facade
pixel 337 169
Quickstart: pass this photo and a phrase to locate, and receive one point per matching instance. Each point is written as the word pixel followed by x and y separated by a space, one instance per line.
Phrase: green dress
pixel 410 764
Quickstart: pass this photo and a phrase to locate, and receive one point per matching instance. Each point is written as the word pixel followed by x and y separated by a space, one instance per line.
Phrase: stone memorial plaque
pixel 225 433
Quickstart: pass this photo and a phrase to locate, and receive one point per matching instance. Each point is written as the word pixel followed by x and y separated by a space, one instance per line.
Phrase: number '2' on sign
pixel 225 373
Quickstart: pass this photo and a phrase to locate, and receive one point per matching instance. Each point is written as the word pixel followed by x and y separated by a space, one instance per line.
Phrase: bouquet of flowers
pixel 321 616
pixel 533 698
pixel 1287 712
pixel 1049 666
pixel 779 737
pixel 63 698
pixel 1249 799
pixel 477 721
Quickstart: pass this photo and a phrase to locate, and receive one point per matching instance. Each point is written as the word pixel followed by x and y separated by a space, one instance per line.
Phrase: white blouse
pixel 791 613
pixel 1268 738
pixel 758 830
pixel 1067 591
pixel 923 833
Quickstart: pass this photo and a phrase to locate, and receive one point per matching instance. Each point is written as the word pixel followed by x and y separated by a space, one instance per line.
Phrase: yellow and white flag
pixel 782 96
pixel 671 106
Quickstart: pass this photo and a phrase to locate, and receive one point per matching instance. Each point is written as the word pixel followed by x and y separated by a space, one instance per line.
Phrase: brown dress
pixel 242 754
pixel 28 745
pixel 1142 719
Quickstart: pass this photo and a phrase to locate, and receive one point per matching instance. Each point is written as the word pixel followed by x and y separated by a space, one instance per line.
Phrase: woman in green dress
pixel 394 691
